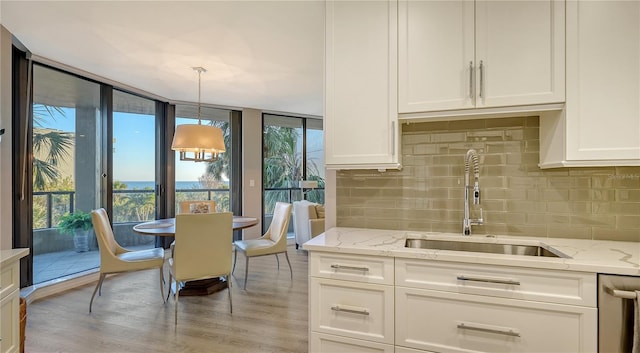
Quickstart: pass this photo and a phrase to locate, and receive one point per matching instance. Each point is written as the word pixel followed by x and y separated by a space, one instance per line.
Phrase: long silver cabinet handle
pixel 488 280
pixel 355 268
pixel 507 331
pixel 624 294
pixel 471 79
pixel 481 79
pixel 352 311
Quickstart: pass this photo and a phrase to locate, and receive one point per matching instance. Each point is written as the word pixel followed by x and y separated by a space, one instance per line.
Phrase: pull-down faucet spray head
pixel 471 156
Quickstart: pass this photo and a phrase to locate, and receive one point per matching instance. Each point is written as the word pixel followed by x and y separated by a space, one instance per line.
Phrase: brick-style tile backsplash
pixel 517 197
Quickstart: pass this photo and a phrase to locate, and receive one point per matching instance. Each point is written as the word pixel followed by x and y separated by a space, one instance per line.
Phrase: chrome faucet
pixel 472 156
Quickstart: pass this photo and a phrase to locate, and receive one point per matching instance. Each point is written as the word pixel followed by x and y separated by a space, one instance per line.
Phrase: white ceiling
pixel 258 54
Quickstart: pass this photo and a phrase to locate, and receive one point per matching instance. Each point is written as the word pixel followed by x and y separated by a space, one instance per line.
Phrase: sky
pixel 134 145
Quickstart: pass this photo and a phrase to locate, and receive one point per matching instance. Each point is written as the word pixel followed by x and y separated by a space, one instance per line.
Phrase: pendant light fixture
pixel 197 142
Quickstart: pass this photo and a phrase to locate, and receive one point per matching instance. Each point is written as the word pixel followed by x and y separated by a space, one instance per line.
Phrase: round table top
pixel 167 226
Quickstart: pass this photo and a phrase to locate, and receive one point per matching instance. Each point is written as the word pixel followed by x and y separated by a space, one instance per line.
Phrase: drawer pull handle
pixel 488 280
pixel 355 268
pixel 500 331
pixel 352 311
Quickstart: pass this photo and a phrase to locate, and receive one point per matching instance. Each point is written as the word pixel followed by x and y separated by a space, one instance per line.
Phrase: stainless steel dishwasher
pixel 616 295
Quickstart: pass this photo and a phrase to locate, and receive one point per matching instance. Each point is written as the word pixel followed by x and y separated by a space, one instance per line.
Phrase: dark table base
pixel 203 287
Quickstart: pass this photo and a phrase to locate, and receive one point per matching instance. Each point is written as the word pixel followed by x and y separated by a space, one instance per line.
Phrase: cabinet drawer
pixel 322 343
pixel 9 278
pixel 361 268
pixel 357 310
pixel 563 287
pixel 453 322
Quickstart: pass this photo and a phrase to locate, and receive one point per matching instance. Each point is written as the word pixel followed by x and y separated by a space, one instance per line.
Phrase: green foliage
pixel 69 222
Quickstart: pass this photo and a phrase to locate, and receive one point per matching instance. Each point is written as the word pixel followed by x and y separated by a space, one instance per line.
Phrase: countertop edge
pixel 9 256
pixel 607 257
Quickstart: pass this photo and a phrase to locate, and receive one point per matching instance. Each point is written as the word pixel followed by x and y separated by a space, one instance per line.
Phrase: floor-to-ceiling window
pixel 66 179
pixel 205 180
pixel 292 152
pixel 134 168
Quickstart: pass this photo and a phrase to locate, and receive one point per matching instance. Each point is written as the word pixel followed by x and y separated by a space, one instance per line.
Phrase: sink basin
pixel 492 247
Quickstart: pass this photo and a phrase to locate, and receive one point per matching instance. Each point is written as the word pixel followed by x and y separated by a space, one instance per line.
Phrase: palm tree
pixel 283 162
pixel 49 146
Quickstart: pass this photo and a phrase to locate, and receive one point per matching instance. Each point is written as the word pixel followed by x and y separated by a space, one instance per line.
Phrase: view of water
pixel 140 185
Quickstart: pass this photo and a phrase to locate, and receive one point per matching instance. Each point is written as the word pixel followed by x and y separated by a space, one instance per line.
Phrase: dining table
pixel 167 227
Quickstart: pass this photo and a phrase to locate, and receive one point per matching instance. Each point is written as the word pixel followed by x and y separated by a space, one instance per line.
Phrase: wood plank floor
pixel 270 316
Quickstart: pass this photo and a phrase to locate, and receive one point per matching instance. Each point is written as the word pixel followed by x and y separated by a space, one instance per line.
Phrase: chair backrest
pixel 277 231
pixel 203 245
pixel 104 232
pixel 209 206
pixel 303 211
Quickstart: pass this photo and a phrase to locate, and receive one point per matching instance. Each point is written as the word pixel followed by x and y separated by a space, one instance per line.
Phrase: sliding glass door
pixel 66 180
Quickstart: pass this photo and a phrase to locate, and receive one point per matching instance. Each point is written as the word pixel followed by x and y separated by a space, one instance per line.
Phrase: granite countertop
pixel 8 256
pixel 597 256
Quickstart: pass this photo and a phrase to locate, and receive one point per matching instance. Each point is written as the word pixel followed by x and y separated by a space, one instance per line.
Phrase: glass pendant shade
pixel 196 142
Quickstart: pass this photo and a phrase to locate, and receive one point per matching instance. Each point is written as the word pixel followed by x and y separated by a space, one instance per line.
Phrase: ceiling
pixel 265 55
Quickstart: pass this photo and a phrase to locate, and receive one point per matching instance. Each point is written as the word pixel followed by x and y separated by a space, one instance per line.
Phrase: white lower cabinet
pixel 10 299
pixel 368 303
pixel 9 329
pixel 439 321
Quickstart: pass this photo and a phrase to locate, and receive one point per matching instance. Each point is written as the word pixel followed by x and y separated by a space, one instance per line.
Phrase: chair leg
pixel 229 290
pixel 246 271
pixel 162 285
pixel 99 285
pixel 289 262
pixel 235 257
pixel 169 291
pixel 175 310
pixel 278 260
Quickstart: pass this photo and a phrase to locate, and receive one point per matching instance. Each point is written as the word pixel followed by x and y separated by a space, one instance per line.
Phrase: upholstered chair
pixel 202 250
pixel 273 242
pixel 116 259
pixel 192 206
pixel 308 220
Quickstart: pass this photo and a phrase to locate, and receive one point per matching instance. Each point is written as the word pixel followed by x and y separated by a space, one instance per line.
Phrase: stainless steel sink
pixel 494 248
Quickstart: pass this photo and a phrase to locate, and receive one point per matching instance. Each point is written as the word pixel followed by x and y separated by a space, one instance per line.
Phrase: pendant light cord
pixel 200 70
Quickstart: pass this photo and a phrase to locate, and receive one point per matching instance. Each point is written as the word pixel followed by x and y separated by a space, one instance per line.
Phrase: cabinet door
pixel 519 52
pixel 435 55
pixel 9 323
pixel 361 85
pixel 603 81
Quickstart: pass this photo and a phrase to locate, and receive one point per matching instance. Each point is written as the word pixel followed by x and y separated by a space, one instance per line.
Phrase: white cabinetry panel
pixel 451 322
pixel 482 54
pixel 356 310
pixel 361 85
pixel 600 125
pixel 566 287
pixel 321 343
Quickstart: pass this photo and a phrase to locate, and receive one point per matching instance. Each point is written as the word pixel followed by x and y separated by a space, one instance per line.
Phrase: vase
pixel 81 240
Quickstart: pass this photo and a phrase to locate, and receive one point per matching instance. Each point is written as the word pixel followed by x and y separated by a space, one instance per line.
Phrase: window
pixel 292 151
pixel 66 159
pixel 205 181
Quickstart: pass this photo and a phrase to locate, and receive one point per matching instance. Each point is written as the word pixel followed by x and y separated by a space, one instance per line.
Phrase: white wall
pixel 5 144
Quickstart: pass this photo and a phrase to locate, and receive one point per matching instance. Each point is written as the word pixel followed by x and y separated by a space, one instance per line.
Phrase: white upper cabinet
pixel 600 125
pixel 361 111
pixel 482 54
